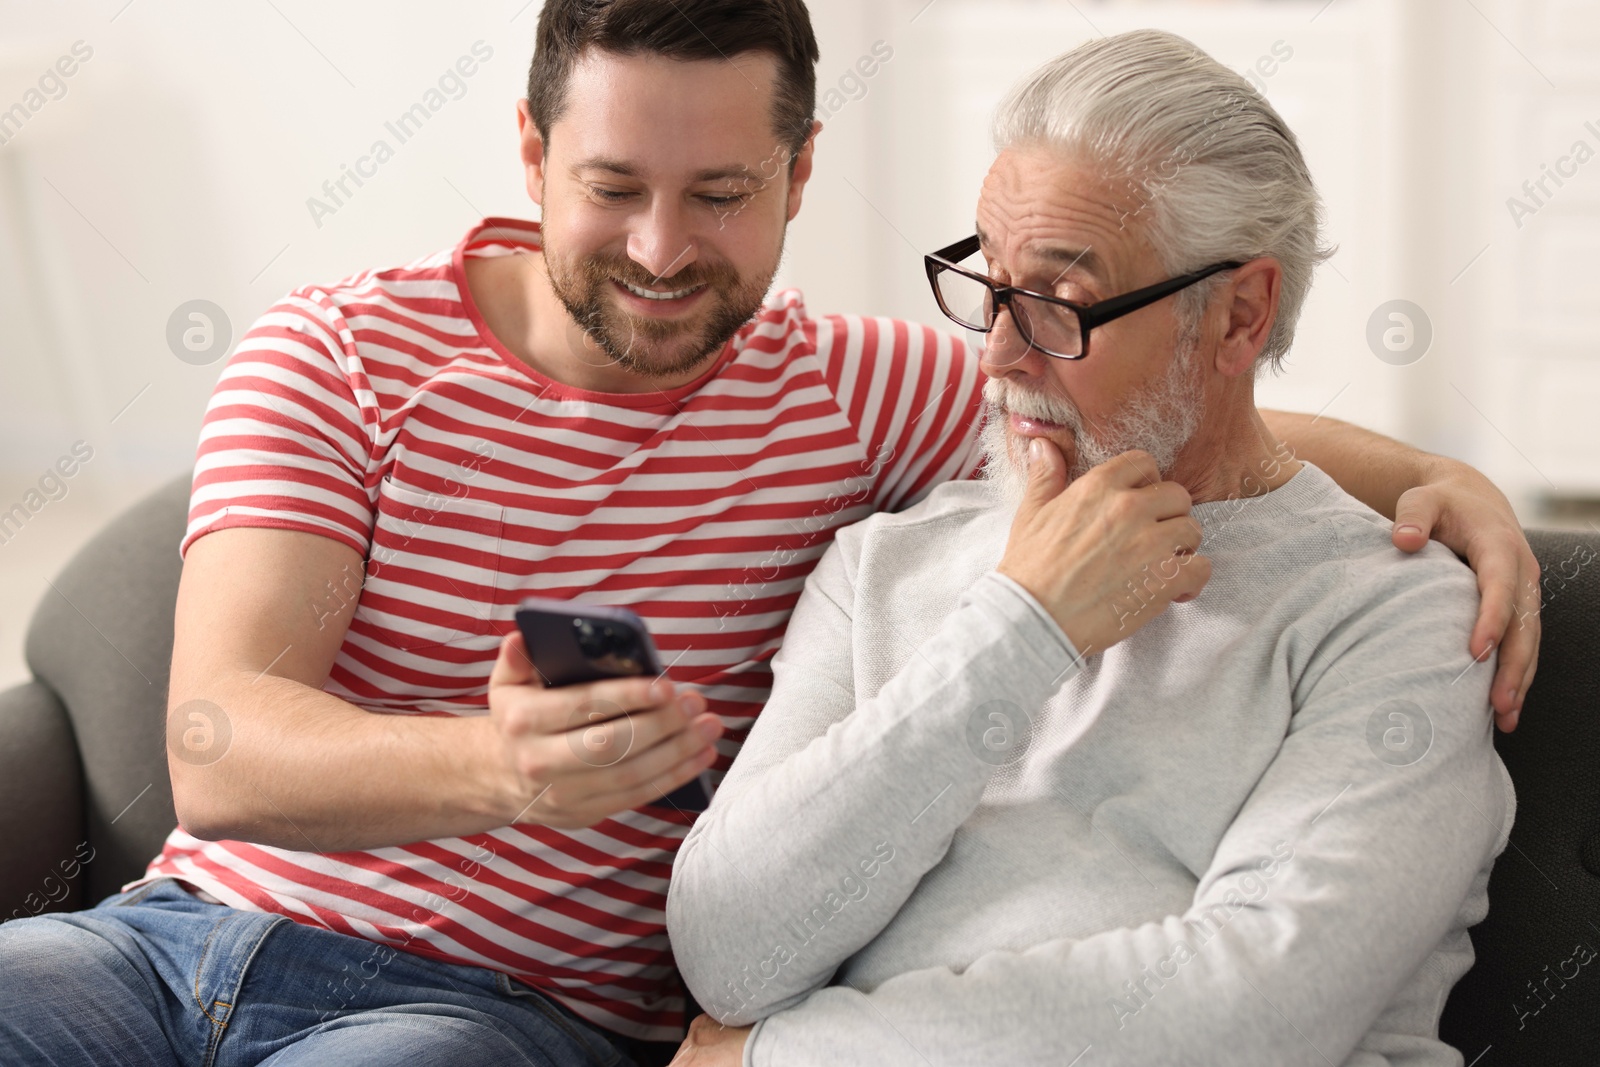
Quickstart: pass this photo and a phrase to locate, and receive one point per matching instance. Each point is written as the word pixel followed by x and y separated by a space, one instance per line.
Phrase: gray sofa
pixel 85 800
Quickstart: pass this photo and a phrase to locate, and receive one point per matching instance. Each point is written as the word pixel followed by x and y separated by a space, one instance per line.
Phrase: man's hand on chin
pixel 710 1044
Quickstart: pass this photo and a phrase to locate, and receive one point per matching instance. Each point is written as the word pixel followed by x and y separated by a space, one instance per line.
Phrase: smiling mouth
pixel 651 294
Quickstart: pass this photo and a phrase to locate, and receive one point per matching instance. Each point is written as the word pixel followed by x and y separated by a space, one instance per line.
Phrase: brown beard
pixel 647 346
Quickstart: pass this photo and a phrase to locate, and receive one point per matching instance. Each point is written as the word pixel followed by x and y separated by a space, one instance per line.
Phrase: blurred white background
pixel 175 163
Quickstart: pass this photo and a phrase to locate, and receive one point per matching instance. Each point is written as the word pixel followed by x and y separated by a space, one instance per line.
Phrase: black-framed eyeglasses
pixel 1054 326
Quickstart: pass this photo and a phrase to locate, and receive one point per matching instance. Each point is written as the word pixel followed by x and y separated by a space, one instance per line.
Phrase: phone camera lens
pixel 589 642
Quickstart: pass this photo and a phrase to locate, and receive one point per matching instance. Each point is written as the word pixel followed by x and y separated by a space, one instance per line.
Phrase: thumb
pixel 1415 514
pixel 513 667
pixel 1047 474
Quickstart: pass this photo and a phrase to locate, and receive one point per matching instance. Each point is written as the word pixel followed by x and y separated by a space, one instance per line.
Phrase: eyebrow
pixel 614 166
pixel 1067 256
pixel 624 169
pixel 714 174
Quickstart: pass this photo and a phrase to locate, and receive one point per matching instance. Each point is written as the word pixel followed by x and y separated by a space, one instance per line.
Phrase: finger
pixel 585 782
pixel 1193 574
pixel 1515 714
pixel 553 712
pixel 1519 645
pixel 645 765
pixel 1506 721
pixel 1533 620
pixel 512 666
pixel 668 770
pixel 1519 660
pixel 1414 516
pixel 1134 468
pixel 1165 500
pixel 1047 475
pixel 603 740
pixel 684 1057
pixel 597 738
pixel 620 695
pixel 1533 665
pixel 1179 535
pixel 1497 587
pixel 1174 580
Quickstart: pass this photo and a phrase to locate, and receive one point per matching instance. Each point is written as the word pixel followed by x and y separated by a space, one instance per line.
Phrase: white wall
pixel 178 163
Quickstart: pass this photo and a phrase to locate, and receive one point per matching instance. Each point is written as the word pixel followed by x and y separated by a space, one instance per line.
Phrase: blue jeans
pixel 158 976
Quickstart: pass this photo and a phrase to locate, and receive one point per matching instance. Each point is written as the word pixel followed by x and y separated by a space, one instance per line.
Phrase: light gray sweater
pixel 1255 832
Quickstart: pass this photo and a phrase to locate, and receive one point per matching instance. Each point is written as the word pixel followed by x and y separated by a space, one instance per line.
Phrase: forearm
pixel 883 789
pixel 305 770
pixel 1285 941
pixel 1369 466
pixel 1285 964
pixel 1320 907
pixel 1293 974
pixel 1132 996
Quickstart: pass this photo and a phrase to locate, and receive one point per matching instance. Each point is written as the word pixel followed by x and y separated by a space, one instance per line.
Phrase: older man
pixel 1037 781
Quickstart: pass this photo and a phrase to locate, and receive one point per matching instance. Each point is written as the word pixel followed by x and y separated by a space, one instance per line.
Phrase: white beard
pixel 1160 419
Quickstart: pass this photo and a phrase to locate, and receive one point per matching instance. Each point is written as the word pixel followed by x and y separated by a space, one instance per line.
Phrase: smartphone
pixel 572 644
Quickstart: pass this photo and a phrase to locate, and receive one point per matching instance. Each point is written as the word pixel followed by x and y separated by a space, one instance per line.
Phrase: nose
pixel 661 241
pixel 1005 353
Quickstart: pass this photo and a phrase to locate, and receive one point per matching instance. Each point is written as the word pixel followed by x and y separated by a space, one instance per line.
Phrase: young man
pixel 583 408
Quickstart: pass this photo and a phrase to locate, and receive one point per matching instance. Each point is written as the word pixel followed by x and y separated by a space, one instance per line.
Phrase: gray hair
pixel 1215 171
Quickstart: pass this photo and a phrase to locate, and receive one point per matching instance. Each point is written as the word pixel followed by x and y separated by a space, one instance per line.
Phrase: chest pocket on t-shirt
pixel 431 571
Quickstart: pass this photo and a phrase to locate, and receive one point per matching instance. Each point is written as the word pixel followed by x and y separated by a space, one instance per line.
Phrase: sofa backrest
pixel 1533 997
pixel 102 640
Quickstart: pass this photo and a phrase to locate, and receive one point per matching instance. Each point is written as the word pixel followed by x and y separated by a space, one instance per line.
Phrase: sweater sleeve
pixel 1345 869
pixel 834 811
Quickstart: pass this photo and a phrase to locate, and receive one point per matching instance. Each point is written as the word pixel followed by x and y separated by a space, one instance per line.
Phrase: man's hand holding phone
pixel 581 753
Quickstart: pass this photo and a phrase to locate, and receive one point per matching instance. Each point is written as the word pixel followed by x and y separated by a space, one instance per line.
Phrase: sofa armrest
pixel 41 805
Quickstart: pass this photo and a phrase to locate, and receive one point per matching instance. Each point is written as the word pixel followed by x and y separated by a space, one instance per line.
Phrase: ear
pixel 1252 308
pixel 802 170
pixel 532 151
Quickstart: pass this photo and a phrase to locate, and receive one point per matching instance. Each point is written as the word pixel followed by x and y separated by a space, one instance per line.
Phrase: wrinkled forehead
pixel 1044 212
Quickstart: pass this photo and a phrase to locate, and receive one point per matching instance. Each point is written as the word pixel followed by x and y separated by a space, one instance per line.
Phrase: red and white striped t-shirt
pixel 381 412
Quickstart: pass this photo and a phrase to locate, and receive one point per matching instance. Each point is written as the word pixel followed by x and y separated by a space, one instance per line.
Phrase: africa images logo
pixel 451 85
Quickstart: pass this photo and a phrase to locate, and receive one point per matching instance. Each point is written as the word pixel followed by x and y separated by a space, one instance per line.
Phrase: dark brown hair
pixel 684 30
